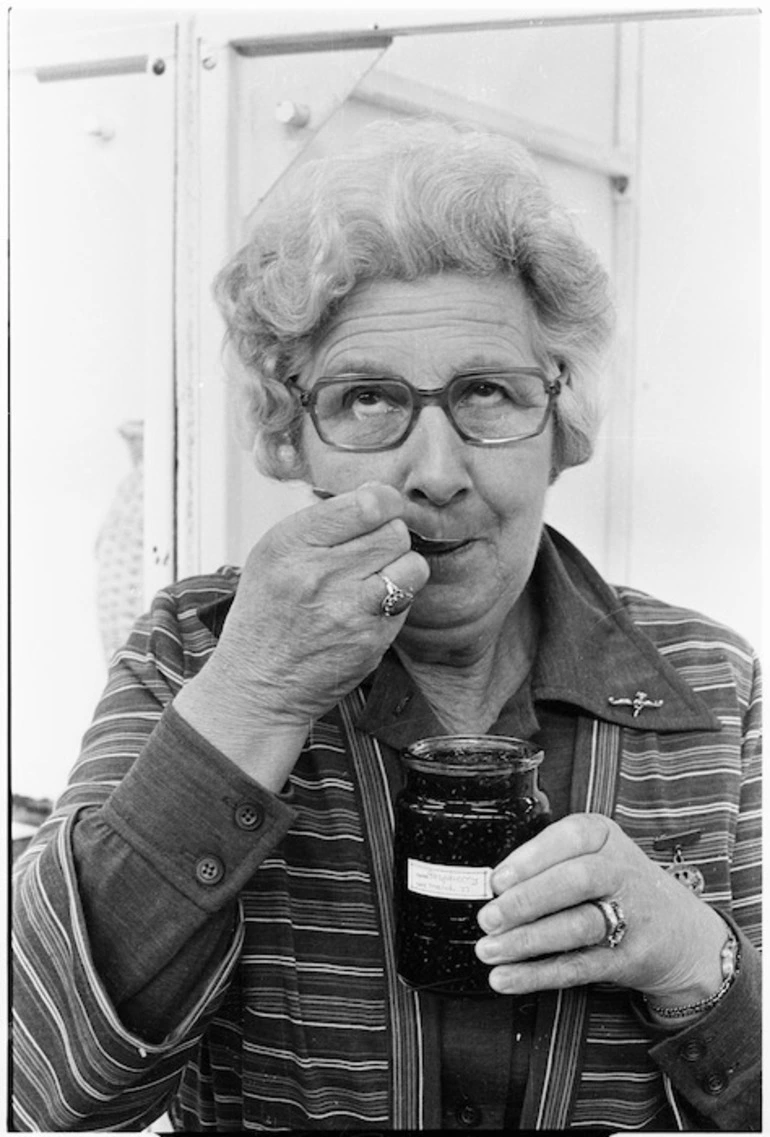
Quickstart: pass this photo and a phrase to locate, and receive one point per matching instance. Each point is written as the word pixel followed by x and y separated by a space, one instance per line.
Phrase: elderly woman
pixel 206 923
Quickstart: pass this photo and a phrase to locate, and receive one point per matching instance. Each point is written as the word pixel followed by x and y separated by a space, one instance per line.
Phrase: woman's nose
pixel 436 460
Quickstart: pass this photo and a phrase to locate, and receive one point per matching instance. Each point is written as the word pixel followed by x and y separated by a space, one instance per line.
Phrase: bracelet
pixel 730 960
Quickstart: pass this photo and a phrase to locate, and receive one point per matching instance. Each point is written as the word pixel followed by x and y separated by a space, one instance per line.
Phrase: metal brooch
pixel 640 702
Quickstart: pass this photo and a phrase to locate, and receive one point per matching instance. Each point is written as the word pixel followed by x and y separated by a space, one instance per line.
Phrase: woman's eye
pixel 367 400
pixel 505 390
pixel 486 391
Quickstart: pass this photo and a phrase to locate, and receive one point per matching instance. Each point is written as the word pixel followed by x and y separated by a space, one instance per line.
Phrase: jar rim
pixel 462 753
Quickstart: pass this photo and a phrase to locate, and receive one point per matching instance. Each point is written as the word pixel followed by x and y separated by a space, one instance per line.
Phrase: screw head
pixel 159 66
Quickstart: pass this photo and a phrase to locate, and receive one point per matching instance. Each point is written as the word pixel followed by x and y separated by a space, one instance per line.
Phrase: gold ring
pixel 396 600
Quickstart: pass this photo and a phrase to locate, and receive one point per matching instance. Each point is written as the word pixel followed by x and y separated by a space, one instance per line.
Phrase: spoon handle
pixel 428 542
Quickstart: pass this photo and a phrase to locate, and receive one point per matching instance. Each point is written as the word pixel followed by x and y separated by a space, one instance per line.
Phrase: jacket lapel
pixel 559 1040
pixel 407 1089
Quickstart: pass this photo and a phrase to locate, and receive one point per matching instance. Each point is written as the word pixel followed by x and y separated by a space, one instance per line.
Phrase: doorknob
pixel 292 114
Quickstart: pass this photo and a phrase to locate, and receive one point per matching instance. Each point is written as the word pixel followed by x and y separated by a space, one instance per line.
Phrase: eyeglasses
pixel 486 407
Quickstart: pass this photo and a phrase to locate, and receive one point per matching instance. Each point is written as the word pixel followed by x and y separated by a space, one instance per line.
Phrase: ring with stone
pixel 614 922
pixel 396 600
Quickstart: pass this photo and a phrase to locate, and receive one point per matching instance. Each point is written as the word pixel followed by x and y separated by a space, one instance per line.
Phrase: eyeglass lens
pixel 366 412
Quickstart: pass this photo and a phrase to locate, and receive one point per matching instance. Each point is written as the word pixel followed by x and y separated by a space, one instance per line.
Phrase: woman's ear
pixel 290 461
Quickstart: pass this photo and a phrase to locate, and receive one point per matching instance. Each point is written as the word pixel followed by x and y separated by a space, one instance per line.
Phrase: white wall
pixel 696 504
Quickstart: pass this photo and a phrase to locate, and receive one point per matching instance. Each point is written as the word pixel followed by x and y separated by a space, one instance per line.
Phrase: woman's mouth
pixel 425 546
pixel 431 547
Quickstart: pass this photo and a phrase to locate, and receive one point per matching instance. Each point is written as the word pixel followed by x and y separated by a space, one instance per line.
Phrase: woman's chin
pixel 442 607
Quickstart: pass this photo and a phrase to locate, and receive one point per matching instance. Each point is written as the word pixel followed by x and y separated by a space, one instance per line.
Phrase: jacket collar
pixel 589 651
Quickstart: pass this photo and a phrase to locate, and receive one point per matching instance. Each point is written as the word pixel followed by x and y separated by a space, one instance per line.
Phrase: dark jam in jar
pixel 467 803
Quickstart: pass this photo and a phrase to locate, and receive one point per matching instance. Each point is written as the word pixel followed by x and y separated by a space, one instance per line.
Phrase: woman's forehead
pixel 449 319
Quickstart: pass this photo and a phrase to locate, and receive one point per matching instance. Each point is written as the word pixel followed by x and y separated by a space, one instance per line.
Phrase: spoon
pixel 420 543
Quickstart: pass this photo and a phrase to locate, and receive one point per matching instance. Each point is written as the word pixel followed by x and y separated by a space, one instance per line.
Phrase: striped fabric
pixel 406 1107
pixel 558 1083
pixel 675 783
pixel 303 1025
pixel 312 1038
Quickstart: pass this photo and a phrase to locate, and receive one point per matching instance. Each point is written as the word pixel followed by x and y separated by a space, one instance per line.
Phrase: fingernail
pixel 490 918
pixel 503 879
pixel 488 949
pixel 498 981
pixel 368 502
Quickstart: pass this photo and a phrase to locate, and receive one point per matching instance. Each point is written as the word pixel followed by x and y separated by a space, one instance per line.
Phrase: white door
pixel 91 234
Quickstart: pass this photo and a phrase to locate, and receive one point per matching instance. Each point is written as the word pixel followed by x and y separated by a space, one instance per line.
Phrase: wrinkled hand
pixel 306 624
pixel 542 908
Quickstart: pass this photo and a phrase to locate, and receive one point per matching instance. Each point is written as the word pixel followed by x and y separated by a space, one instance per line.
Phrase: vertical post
pixel 186 257
pixel 619 512
pixel 205 215
pixel 159 400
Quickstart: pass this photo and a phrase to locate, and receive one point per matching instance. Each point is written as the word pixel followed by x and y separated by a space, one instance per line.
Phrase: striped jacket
pixel 302 1023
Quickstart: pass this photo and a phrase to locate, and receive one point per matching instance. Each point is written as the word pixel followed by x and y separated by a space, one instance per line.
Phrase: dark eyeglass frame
pixel 422 397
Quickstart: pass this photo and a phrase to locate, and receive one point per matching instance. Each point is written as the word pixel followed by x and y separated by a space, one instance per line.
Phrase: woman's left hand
pixel 542 908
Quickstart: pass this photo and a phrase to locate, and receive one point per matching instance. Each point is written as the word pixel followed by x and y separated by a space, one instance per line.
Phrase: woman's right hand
pixel 306 625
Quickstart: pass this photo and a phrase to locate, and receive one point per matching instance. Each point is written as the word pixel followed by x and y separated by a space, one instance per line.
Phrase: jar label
pixel 449 882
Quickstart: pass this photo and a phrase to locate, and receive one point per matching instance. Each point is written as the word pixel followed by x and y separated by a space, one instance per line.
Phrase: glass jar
pixel 467 803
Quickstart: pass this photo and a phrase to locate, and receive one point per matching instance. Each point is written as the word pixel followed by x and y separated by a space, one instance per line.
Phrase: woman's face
pixel 491 498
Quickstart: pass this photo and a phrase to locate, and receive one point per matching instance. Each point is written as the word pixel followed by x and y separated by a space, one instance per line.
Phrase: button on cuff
pixel 248 815
pixel 209 870
pixel 715 1081
pixel 693 1050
